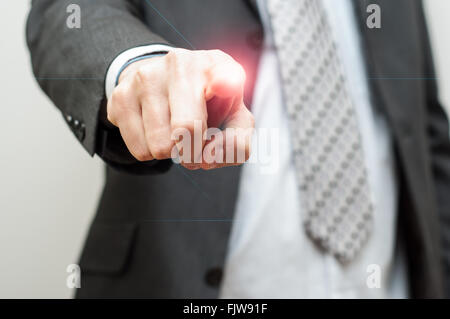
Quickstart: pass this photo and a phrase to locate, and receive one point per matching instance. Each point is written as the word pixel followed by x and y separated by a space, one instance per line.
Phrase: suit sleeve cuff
pixel 124 59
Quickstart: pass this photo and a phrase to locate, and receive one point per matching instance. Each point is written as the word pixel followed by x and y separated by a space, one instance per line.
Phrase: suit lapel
pixel 394 67
pixel 385 56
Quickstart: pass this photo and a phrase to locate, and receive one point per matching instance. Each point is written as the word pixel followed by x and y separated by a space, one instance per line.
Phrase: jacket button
pixel 69 118
pixel 80 132
pixel 213 277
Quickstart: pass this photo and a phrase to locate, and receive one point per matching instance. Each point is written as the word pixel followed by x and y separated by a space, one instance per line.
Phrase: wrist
pixel 125 57
pixel 134 64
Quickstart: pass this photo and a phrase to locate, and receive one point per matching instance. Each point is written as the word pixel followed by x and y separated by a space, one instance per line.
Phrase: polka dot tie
pixel 328 156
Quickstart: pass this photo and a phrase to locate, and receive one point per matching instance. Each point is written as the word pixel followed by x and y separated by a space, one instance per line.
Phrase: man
pixel 358 206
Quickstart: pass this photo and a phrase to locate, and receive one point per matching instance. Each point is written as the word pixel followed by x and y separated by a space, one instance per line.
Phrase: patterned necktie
pixel 327 150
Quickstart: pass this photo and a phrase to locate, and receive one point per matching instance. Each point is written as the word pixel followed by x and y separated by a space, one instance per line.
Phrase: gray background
pixel 49 186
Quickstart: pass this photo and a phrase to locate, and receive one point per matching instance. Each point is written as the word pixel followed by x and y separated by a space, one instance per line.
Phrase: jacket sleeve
pixel 70 65
pixel 439 142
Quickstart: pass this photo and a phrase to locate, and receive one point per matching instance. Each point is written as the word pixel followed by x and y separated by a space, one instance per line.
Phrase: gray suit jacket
pixel 162 231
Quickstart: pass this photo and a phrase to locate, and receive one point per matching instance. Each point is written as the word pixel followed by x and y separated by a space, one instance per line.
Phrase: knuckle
pixel 150 73
pixel 142 155
pixel 144 74
pixel 120 99
pixel 110 112
pixel 120 106
pixel 161 150
pixel 176 56
pixel 110 117
pixel 159 154
pixel 172 56
pixel 119 95
pixel 220 54
pixel 113 112
pixel 179 62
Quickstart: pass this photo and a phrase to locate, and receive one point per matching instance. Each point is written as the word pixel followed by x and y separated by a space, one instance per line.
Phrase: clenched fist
pixel 166 106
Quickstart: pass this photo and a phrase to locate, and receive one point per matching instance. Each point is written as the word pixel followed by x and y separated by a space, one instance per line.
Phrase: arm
pixel 71 64
pixel 439 141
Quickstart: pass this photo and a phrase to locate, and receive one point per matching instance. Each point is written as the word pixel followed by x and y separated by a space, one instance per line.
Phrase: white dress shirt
pixel 269 254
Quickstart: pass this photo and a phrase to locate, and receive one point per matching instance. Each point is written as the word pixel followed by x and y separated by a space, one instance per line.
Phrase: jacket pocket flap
pixel 107 248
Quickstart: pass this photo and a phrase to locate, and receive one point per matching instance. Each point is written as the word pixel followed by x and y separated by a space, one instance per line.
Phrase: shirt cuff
pixel 124 59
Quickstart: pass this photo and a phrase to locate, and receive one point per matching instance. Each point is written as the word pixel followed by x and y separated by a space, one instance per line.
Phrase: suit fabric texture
pixel 162 231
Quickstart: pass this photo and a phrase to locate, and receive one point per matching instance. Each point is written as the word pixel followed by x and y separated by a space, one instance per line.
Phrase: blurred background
pixel 49 186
